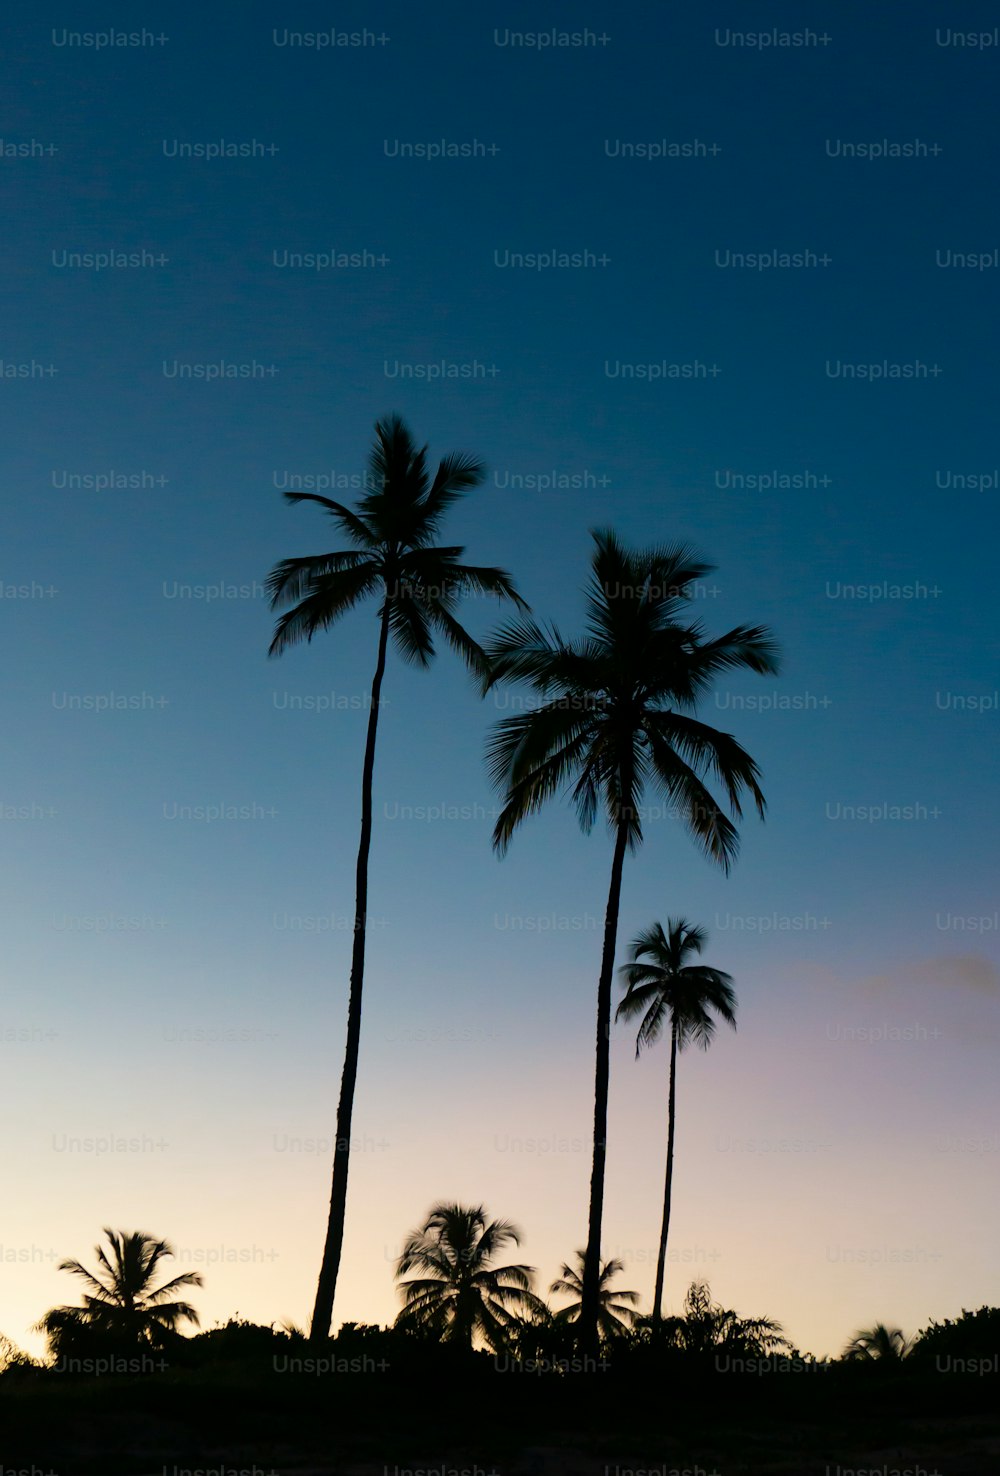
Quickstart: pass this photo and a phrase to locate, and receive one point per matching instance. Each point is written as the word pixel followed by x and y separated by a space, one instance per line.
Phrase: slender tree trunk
pixel 658 1294
pixel 590 1298
pixel 327 1286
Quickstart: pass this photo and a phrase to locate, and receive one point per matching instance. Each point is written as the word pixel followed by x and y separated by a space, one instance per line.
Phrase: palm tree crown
pixel 881 1342
pixel 392 555
pixel 462 1295
pixel 617 708
pixel 121 1300
pixel 666 990
pixel 617 1308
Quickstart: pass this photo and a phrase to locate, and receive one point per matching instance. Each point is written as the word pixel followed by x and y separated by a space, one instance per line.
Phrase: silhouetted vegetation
pixel 667 991
pixel 393 557
pixel 123 1313
pixel 706 1328
pixel 708 1379
pixel 879 1343
pixel 615 713
pixel 616 1309
pixel 462 1295
pixel 966 1344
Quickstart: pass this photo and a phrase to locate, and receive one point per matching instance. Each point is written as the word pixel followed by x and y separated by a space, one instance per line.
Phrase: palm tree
pixel 616 1309
pixel 669 990
pixel 887 1344
pixel 418 584
pixel 461 1293
pixel 616 710
pixel 121 1304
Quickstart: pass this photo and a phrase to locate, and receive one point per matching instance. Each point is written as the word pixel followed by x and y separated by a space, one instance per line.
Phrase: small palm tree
pixel 617 712
pixel 462 1295
pixel 418 583
pixel 617 1308
pixel 666 990
pixel 887 1344
pixel 121 1305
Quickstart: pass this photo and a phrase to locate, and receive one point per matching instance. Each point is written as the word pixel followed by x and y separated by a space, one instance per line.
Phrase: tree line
pixel 464 1298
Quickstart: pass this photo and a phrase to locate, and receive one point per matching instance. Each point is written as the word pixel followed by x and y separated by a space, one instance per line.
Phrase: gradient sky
pixel 182 983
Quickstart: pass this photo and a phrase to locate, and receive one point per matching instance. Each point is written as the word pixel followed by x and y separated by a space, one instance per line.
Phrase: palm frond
pixel 333 595
pixel 290 579
pixel 347 520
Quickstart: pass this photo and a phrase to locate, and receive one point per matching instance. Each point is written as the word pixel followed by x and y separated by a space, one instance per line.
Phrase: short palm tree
pixel 461 1294
pixel 121 1304
pixel 667 990
pixel 616 1312
pixel 617 712
pixel 394 557
pixel 887 1344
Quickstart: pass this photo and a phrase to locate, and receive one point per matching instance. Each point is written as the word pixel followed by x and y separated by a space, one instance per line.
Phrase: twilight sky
pixel 821 423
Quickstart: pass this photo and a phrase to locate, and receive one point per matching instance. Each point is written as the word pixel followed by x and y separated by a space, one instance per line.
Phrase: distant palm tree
pixel 616 710
pixel 669 991
pixel 461 1294
pixel 122 1305
pixel 887 1344
pixel 616 1308
pixel 418 584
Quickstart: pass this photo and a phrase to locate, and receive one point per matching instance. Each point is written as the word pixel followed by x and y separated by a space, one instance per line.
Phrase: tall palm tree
pixel 668 990
pixel 121 1303
pixel 616 1309
pixel 461 1293
pixel 616 711
pixel 887 1344
pixel 418 584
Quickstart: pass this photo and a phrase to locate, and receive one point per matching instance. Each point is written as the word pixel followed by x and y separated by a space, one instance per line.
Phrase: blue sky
pixel 478 1032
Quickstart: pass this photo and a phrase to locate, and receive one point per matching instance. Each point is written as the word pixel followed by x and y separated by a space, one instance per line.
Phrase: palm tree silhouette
pixel 418 584
pixel 462 1294
pixel 616 1312
pixel 887 1344
pixel 617 711
pixel 667 990
pixel 121 1303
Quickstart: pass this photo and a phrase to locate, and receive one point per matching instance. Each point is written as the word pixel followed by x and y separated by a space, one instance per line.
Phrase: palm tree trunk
pixel 590 1297
pixel 326 1289
pixel 658 1294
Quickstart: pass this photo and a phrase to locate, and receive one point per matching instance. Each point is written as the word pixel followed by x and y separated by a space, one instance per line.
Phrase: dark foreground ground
pixel 243 1422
